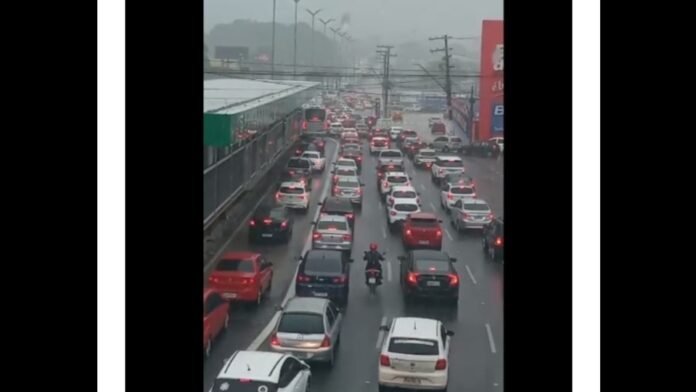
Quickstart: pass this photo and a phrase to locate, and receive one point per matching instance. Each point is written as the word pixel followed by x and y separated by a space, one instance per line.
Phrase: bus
pixel 314 121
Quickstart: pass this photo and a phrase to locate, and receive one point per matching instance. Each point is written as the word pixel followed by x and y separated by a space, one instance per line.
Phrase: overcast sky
pixel 392 20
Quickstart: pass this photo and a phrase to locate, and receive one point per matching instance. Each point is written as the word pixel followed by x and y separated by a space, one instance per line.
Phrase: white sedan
pixel 318 163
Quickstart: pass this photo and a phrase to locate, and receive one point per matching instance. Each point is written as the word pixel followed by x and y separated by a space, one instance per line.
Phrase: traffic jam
pixel 375 263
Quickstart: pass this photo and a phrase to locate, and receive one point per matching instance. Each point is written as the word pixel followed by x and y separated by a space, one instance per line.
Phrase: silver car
pixel 332 232
pixel 348 188
pixel 309 329
pixel 447 143
pixel 471 214
pixel 390 156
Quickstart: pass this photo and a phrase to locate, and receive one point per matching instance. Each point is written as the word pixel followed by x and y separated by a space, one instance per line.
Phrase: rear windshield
pixel 345 163
pixel 427 153
pixel 424 222
pixel 304 323
pixel 476 207
pixel 409 133
pixel 275 213
pixel 406 207
pixel 444 163
pixel 392 168
pixel 345 172
pixel 390 154
pixel 397 179
pixel 291 191
pixel 243 385
pixel 351 147
pixel 329 225
pixel 431 266
pixel 299 163
pixel 456 140
pixel 323 266
pixel 235 265
pixel 413 346
pixel 439 127
pixel 347 184
pixel 404 194
pixel 462 190
pixel 379 142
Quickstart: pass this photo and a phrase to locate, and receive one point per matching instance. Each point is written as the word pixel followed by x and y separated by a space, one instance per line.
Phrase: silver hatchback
pixel 471 214
pixel 348 188
pixel 332 232
pixel 309 329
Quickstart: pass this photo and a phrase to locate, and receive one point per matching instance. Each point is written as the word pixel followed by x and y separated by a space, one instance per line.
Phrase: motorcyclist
pixel 373 258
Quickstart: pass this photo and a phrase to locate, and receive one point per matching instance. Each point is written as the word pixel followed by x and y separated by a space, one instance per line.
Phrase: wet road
pixel 476 357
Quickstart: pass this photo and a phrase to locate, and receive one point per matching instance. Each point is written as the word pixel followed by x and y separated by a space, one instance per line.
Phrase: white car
pixel 347 163
pixel 425 158
pixel 336 128
pixel 400 210
pixel 406 192
pixel 293 195
pixel 263 371
pixel 390 156
pixel 452 193
pixel 499 141
pixel 446 164
pixel 414 355
pixel 349 133
pixel 393 179
pixel 433 120
pixel 394 132
pixel 378 144
pixel 318 163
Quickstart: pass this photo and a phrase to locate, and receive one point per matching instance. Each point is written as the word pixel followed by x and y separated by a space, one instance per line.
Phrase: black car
pixel 291 175
pixel 429 273
pixel 324 274
pixel 355 155
pixel 481 149
pixel 272 223
pixel 493 239
pixel 389 167
pixel 338 206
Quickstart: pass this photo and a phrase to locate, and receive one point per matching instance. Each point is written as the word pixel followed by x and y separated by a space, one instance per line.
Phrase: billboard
pixel 491 84
pixel 232 52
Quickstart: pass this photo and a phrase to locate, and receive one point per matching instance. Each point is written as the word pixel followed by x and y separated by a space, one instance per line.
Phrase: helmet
pixel 373 246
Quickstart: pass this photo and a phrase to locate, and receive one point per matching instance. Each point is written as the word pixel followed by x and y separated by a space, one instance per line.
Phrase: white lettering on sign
pixel 498 110
pixel 498 58
pixel 498 86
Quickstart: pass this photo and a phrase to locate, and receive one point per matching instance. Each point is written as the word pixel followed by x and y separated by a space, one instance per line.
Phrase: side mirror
pixel 450 333
pixel 313 223
pixel 305 366
pixel 384 328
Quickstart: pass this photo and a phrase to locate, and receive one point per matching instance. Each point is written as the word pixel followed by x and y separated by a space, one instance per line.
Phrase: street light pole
pixel 325 22
pixel 294 55
pixel 273 42
pixel 313 15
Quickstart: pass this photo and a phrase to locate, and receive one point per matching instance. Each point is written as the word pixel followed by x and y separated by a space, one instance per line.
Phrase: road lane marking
pixel 449 235
pixel 490 338
pixel 422 186
pixel 470 274
pixel 388 271
pixel 432 206
pixel 263 335
pixel 384 232
pixel 380 335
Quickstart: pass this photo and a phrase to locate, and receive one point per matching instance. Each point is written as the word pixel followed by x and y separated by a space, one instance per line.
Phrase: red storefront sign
pixel 491 82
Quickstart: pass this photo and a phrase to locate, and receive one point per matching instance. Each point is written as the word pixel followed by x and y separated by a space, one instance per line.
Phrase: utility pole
pixel 273 42
pixel 385 51
pixel 313 15
pixel 337 53
pixel 294 51
pixel 470 122
pixel 448 81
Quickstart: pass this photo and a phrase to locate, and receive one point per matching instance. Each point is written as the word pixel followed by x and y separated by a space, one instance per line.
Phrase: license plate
pixel 324 294
pixel 372 280
pixel 266 235
pixel 433 283
pixel 424 242
pixel 229 295
pixel 412 380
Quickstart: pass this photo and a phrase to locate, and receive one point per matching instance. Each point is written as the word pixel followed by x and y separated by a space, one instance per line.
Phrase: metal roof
pixel 230 96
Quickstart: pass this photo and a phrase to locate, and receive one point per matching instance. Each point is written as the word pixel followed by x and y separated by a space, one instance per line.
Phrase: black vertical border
pixel 164 81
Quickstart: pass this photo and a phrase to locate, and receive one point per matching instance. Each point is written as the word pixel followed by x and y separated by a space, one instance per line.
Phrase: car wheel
pixel 491 253
pixel 484 245
pixel 267 293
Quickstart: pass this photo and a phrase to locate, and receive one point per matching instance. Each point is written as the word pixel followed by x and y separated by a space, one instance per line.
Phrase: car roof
pixel 427 150
pixel 240 255
pixel 332 218
pixel 449 158
pixel 424 215
pixel 406 201
pixel 306 304
pixel 255 365
pixel 435 255
pixel 348 178
pixel 324 254
pixel 267 208
pixel 415 327
pixel 333 202
pixel 476 201
pixel 291 184
pixel 395 174
pixel 403 188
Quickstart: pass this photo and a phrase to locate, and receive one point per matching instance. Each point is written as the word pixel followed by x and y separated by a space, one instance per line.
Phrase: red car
pixel 422 230
pixel 216 317
pixel 242 276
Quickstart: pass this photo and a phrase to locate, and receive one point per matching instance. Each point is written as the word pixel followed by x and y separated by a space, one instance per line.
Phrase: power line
pixel 338 74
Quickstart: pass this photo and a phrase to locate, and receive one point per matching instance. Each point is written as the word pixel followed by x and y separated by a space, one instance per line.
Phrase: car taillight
pixel 274 340
pixel 284 224
pixel 473 194
pixel 303 278
pixel 340 279
pixel 304 124
pixel 499 241
pixel 347 237
pixel 490 216
pixel 359 191
pixel 412 277
pixel 301 197
pixel 349 216
pixel 408 231
pixel 466 216
pixel 244 380
pixel 454 279
pixel 438 233
pixel 326 342
pixel 298 151
pixel 358 158
pixel 268 221
pixel 335 190
pixel 384 360
pixel 277 195
pixel 252 223
pixel 390 200
pixel 441 364
pixel 392 213
pixel 450 196
pixel 214 279
pixel 428 164
pixel 385 184
pixel 316 236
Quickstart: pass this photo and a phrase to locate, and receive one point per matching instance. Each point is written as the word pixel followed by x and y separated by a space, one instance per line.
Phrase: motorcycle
pixel 373 276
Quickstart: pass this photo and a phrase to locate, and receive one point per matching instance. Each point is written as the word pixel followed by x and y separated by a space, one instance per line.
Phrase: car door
pixel 265 272
pixel 287 380
pixel 330 319
pixel 444 192
pixel 338 316
pixel 219 312
pixel 300 375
